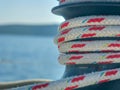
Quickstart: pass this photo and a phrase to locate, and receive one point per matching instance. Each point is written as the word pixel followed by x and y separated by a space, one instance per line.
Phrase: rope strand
pixel 74 50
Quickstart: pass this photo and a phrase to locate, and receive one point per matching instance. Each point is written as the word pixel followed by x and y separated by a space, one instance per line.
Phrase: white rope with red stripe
pixel 62 2
pixel 89 27
pixel 89 46
pixel 84 26
pixel 76 81
pixel 90 21
pixel 86 32
pixel 90 58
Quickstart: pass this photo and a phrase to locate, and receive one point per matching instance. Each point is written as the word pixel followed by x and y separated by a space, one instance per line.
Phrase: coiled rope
pixel 86 40
pixel 77 51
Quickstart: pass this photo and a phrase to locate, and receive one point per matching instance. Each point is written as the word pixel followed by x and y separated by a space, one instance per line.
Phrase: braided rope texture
pixel 75 50
pixel 80 49
pixel 89 27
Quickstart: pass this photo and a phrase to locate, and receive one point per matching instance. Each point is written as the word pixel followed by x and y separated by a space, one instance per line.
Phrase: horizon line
pixel 28 24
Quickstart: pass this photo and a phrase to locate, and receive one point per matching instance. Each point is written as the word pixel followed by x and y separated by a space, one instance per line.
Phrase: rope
pixel 77 51
pixel 7 85
pixel 86 40
pixel 89 31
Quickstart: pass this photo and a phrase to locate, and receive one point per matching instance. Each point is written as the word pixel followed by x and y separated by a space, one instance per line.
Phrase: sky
pixel 28 12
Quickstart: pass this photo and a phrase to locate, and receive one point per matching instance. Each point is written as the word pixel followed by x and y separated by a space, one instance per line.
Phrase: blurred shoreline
pixel 36 30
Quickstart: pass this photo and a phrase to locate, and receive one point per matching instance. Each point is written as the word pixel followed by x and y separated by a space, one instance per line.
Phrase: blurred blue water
pixel 28 57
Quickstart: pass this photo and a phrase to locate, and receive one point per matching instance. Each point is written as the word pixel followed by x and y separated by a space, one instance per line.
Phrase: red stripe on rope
pixel 103 81
pixel 65 31
pixel 71 87
pixel 88 35
pixel 40 86
pixel 95 28
pixel 118 35
pixel 105 62
pixel 113 56
pixel 75 57
pixel 78 45
pixel 114 45
pixel 62 39
pixel 93 20
pixel 110 73
pixel 77 79
pixel 64 25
